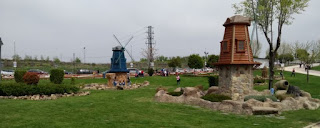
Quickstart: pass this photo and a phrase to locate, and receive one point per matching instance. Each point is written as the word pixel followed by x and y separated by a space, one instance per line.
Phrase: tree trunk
pixel 271 66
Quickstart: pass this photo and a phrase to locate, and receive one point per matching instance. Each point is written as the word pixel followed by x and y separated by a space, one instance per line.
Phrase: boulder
pixel 294 90
pixel 264 110
pixel 178 90
pixel 305 94
pixel 192 92
pixel 146 83
pixel 281 92
pixel 213 89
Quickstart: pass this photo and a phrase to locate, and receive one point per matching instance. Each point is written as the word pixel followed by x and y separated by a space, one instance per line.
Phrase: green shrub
pixel 18 75
pixel 260 98
pixel 175 93
pixel 213 80
pixel 31 78
pixel 150 71
pixel 22 89
pixel 73 81
pixel 56 76
pixel 259 80
pixel 215 97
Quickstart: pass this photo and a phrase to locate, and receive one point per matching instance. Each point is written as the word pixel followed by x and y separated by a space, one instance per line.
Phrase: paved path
pixel 302 71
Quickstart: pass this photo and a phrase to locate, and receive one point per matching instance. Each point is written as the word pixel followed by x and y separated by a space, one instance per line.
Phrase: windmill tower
pixel 236 59
pixel 118 71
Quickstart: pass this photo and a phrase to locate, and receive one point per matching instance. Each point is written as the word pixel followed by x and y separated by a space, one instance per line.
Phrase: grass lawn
pixel 136 108
pixel 316 68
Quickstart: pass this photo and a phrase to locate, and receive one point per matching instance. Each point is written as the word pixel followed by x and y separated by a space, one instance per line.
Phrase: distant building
pixel 263 61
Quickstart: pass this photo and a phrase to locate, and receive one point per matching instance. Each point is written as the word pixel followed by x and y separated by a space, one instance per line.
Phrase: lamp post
pixel 0 58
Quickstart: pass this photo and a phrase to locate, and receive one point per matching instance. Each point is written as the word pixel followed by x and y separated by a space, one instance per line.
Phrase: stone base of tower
pixel 118 77
pixel 235 81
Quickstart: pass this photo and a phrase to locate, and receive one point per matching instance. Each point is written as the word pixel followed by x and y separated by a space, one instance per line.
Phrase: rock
pixel 178 90
pixel 294 90
pixel 146 83
pixel 253 103
pixel 280 92
pixel 162 88
pixel 37 97
pixel 53 96
pixel 264 110
pixel 305 94
pixel 231 106
pixel 213 89
pixel 192 92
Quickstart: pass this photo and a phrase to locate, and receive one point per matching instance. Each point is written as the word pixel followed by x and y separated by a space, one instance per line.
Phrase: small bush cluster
pixel 260 98
pixel 175 93
pixel 215 97
pixel 22 89
pixel 264 72
pixel 73 81
pixel 18 75
pixel 259 80
pixel 150 71
pixel 31 78
pixel 56 76
pixel 213 80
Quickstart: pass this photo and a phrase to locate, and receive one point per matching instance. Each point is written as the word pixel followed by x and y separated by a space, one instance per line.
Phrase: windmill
pixel 124 47
pixel 118 61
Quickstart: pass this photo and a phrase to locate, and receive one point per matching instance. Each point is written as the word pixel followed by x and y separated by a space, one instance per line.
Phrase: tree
pixel 41 58
pixel 174 62
pixel 35 58
pixel 78 61
pixel 195 61
pixel 265 13
pixel 56 60
pixel 212 59
pixel 256 48
pixel 161 58
pixel 47 59
pixel 286 58
pixel 27 57
pixel 16 57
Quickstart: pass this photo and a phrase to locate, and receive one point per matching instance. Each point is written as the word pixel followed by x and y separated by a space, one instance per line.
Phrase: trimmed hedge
pixel 22 89
pixel 213 80
pixel 150 71
pixel 215 97
pixel 258 80
pixel 56 76
pixel 18 75
pixel 260 98
pixel 31 78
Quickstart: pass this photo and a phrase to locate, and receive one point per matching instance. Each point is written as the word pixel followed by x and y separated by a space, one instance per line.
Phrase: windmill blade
pixel 117 40
pixel 128 41
pixel 130 55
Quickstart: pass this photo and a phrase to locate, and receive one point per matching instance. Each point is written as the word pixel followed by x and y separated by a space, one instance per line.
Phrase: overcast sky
pixel 59 28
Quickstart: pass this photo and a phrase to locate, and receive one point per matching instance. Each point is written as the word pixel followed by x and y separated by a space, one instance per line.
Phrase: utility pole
pixel 150 48
pixel 84 55
pixel 206 57
pixel 15 56
pixel 0 58
pixel 74 63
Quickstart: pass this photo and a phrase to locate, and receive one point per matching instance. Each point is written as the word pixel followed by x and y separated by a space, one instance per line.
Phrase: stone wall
pixel 235 80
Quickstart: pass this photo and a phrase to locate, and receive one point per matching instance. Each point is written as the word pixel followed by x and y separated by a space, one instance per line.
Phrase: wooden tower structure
pixel 236 59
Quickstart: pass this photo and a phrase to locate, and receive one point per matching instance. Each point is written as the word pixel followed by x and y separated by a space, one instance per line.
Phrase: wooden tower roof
pixel 235 46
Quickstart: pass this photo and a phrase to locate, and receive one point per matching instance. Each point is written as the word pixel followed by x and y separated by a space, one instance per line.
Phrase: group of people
pixel 122 83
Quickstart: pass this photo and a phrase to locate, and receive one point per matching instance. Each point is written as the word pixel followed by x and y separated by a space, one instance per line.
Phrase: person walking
pixel 178 79
pixel 293 72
